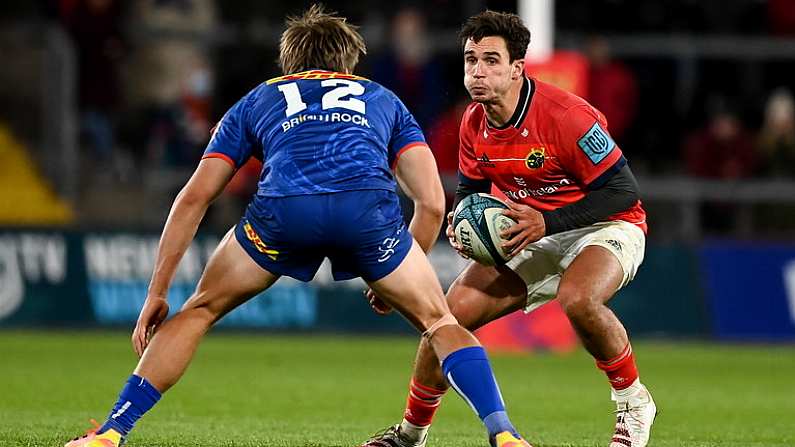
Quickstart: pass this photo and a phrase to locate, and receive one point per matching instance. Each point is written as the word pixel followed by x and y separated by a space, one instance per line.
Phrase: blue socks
pixel 136 398
pixel 469 373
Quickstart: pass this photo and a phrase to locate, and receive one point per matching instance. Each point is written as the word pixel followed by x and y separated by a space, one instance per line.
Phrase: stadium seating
pixel 25 197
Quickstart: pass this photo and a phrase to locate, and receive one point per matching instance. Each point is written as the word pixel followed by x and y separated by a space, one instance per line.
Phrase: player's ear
pixel 517 69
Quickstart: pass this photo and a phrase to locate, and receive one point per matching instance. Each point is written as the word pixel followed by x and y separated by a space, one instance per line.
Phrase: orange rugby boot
pixel 507 439
pixel 110 438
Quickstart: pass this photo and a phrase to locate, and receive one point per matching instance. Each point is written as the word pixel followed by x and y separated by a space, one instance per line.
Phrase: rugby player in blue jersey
pixel 330 142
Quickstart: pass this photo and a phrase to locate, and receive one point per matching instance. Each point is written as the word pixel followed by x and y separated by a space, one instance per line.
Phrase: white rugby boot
pixel 635 413
pixel 391 437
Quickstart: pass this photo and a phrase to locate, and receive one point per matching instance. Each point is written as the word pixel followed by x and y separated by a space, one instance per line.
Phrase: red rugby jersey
pixel 556 149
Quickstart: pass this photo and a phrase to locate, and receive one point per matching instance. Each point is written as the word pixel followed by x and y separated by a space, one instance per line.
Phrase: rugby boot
pixel 391 437
pixel 109 438
pixel 634 416
pixel 508 439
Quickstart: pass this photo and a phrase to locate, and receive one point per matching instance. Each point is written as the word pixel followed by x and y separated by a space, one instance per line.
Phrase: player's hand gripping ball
pixel 478 222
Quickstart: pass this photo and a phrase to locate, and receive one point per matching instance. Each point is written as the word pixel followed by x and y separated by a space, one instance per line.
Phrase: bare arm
pixel 206 183
pixel 186 213
pixel 418 176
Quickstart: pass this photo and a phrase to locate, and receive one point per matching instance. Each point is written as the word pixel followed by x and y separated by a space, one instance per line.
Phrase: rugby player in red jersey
pixel 580 232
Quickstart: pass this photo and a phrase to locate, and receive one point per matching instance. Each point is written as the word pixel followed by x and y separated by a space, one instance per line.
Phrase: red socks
pixel 620 370
pixel 422 403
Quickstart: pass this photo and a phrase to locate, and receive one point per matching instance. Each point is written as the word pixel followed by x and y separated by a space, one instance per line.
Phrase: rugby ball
pixel 478 222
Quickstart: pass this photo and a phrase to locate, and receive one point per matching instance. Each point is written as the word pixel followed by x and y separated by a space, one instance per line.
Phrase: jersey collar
pixel 522 106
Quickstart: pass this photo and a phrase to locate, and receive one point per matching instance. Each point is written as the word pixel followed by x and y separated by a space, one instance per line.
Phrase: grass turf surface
pixel 264 390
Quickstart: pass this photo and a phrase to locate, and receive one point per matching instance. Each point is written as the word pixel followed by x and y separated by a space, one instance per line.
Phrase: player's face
pixel 488 71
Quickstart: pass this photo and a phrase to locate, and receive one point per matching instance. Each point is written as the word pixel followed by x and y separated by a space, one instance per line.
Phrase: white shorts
pixel 541 264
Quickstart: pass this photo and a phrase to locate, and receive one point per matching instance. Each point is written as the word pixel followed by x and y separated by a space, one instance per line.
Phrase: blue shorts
pixel 361 232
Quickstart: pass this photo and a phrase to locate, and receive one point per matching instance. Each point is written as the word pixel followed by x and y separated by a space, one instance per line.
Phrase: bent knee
pixel 467 315
pixel 446 320
pixel 201 307
pixel 428 317
pixel 575 302
pixel 423 311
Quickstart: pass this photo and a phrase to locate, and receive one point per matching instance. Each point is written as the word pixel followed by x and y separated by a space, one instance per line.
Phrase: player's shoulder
pixel 376 90
pixel 386 100
pixel 558 102
pixel 259 93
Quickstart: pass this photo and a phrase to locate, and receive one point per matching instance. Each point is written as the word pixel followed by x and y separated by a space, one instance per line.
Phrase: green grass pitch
pixel 267 390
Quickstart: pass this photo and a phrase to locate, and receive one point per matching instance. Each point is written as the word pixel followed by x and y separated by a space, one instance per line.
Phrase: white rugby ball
pixel 478 222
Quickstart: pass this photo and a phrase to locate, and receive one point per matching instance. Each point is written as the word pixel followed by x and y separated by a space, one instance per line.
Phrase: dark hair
pixel 492 23
pixel 320 39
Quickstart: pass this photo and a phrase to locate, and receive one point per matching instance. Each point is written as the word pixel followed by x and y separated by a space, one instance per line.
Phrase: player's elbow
pixel 626 200
pixel 193 197
pixel 431 207
pixel 437 210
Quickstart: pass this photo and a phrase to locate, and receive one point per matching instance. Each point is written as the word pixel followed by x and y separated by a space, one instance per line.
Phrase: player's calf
pixel 468 371
pixel 464 362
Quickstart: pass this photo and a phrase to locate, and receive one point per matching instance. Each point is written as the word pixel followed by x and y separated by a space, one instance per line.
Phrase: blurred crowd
pixel 725 148
pixel 145 80
pixel 155 75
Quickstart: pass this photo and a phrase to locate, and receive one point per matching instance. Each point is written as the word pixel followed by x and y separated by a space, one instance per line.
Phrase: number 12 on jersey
pixel 331 99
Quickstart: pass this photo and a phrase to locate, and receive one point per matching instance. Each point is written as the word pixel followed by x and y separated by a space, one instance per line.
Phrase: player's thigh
pixel 413 289
pixel 230 278
pixel 482 294
pixel 593 276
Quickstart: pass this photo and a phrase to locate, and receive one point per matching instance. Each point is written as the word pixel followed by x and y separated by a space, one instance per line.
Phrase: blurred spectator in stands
pixel 781 16
pixel 724 149
pixel 443 140
pixel 776 139
pixel 409 69
pixel 95 28
pixel 171 78
pixel 611 87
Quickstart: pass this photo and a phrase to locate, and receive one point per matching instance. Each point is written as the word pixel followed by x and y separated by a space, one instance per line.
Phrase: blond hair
pixel 320 39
